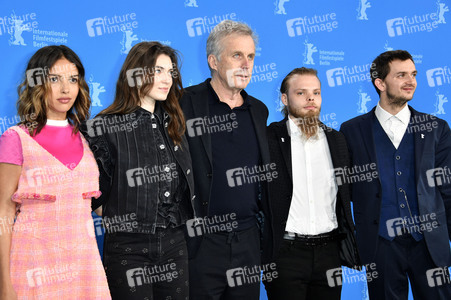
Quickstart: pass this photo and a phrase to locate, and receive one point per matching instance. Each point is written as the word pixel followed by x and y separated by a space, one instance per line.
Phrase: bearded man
pixel 313 228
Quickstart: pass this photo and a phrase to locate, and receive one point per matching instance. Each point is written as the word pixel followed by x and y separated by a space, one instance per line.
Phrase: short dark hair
pixel 381 64
pixel 298 71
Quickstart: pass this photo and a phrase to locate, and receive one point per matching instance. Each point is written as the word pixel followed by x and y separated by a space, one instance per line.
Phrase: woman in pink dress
pixel 47 178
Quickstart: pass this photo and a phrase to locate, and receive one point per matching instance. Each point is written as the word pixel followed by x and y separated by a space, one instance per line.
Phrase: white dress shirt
pixel 395 126
pixel 312 209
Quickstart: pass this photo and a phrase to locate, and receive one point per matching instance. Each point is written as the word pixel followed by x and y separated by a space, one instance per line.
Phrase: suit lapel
pixel 333 148
pixel 420 137
pixel 366 128
pixel 260 131
pixel 201 109
pixel 284 141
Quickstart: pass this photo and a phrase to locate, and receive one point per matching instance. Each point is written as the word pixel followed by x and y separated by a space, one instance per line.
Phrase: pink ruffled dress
pixel 54 254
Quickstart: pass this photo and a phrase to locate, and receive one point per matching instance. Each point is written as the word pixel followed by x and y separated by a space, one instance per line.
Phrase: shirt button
pixel 398 173
pixel 154 125
pixel 402 206
pixel 398 157
pixel 166 194
pixel 176 148
pixel 167 169
pixel 166 124
pixel 188 171
pixel 162 147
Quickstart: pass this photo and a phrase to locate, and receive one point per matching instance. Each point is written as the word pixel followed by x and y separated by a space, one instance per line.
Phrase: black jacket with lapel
pixel 281 189
pixel 432 152
pixel 195 104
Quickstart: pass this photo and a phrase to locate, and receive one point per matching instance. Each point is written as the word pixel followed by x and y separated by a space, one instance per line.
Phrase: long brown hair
pixel 143 56
pixel 32 103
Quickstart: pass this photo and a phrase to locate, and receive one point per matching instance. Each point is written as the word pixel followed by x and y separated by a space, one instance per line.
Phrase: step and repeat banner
pixel 338 38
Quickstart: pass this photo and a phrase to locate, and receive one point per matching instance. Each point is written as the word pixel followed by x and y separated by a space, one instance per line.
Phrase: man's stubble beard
pixel 397 101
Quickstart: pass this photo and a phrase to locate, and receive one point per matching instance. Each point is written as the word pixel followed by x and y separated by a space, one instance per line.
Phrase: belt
pixel 319 239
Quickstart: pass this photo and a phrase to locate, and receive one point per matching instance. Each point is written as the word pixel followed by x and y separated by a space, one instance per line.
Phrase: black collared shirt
pixel 235 153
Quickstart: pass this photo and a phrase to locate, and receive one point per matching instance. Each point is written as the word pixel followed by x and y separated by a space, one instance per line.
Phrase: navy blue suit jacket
pixel 432 150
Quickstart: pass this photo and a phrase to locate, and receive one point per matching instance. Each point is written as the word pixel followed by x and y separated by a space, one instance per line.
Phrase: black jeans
pixel 302 272
pixel 219 255
pixel 147 266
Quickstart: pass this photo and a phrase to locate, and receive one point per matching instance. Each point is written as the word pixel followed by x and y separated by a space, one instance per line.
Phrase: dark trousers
pixel 405 258
pixel 147 266
pixel 220 258
pixel 302 272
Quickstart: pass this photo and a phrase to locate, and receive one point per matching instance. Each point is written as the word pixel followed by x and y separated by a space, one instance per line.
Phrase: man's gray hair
pixel 224 29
